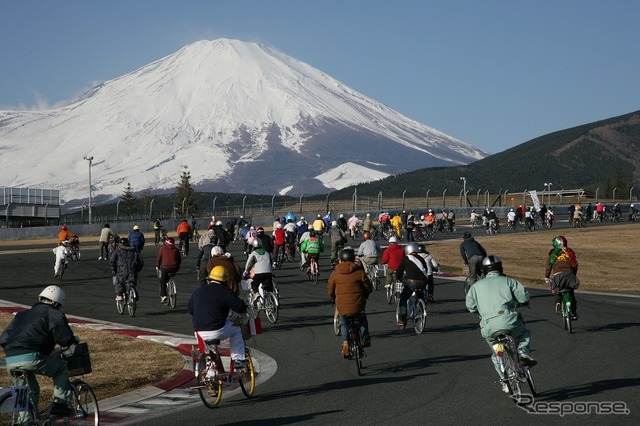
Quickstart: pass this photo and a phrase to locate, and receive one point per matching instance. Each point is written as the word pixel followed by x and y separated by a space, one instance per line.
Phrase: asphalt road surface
pixel 443 376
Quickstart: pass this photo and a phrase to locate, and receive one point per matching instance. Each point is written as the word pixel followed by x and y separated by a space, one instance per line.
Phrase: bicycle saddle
pixel 212 342
pixel 501 333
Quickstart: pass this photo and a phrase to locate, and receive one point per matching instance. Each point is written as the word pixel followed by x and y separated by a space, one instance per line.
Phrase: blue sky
pixel 494 74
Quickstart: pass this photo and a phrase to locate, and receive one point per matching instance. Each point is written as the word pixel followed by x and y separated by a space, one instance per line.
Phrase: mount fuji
pixel 240 117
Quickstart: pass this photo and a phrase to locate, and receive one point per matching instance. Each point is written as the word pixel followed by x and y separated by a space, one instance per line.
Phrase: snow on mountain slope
pixel 233 113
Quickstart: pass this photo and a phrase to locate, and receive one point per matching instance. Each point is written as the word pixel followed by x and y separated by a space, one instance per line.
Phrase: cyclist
pixel 302 226
pixel 410 224
pixel 632 213
pixel 65 235
pixel 291 235
pixel 126 262
pixel 311 247
pixel 185 232
pixel 234 272
pixel 348 287
pixel 392 257
pixel 209 306
pixel 167 262
pixel 432 266
pixel 396 224
pixel 368 250
pixel 29 340
pixel 367 224
pixel 474 219
pixel 279 241
pixel 511 219
pixel 260 261
pixel 415 268
pixel 63 253
pixel 266 242
pixel 472 254
pixel 429 220
pixel 204 255
pixel 208 237
pixel 157 227
pixel 338 239
pixel 495 298
pixel 318 225
pixel 560 273
pixel 136 239
pixel 353 223
pixel 493 220
pixel 106 234
pixel 529 219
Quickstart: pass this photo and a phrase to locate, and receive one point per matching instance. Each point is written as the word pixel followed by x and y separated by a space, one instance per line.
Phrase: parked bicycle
pixel 17 406
pixel 416 310
pixel 211 375
pixel 511 368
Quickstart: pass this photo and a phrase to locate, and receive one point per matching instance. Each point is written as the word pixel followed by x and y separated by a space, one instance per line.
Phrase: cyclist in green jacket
pixel 495 298
pixel 312 247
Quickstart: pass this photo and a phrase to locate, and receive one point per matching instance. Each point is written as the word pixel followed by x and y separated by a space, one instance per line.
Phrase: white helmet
pixel 217 251
pixel 301 217
pixel 341 215
pixel 52 294
pixel 279 226
pixel 334 223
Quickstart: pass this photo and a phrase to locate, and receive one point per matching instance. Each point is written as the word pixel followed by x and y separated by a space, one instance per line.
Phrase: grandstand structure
pixel 25 207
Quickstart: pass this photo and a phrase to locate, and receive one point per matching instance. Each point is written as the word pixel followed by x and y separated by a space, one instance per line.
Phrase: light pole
pixel 464 190
pixel 548 186
pixel 90 160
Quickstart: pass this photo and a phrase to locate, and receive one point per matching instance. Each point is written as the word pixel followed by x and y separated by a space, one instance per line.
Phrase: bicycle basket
pixel 382 270
pixel 397 287
pixel 78 360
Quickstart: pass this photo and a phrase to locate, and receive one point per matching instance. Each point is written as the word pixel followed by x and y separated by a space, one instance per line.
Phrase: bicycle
pixel 183 248
pixel 129 299
pixel 172 292
pixel 511 368
pixel 416 310
pixel 268 301
pixel 392 294
pixel 313 270
pixel 565 309
pixel 280 255
pixel 18 407
pixel 355 340
pixel 211 376
pixel 372 274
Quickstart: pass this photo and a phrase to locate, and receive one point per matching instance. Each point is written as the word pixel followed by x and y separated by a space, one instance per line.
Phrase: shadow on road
pixel 587 389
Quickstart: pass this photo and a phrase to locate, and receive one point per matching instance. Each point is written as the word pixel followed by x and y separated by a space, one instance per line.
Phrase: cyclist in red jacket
pixel 168 262
pixel 392 257
pixel 279 240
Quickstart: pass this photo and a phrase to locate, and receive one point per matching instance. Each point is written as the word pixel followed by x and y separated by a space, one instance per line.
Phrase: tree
pixel 185 194
pixel 130 201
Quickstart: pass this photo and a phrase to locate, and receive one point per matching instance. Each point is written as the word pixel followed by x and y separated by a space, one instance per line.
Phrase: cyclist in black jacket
pixel 29 340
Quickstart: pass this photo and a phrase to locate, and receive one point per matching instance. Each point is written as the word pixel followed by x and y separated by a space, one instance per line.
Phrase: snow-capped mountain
pixel 243 117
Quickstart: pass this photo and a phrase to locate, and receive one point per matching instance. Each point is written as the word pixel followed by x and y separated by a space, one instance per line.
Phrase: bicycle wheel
pixel 271 307
pixel 511 375
pixel 209 386
pixel 390 294
pixel 171 293
pixel 247 378
pixel 60 273
pixel 420 316
pixel 131 302
pixel 336 322
pixel 85 402
pixel 374 277
pixel 10 417
pixel 120 305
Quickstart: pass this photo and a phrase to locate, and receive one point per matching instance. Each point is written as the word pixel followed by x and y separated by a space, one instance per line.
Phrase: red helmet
pixel 63 227
pixel 170 240
pixel 260 229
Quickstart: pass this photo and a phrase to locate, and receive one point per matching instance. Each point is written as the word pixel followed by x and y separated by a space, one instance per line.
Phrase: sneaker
pixel 345 349
pixel 505 388
pixel 366 342
pixel 100 258
pixel 574 317
pixel 387 286
pixel 558 309
pixel 256 297
pixel 527 361
pixel 239 364
pixel 119 297
pixel 55 275
pixel 430 298
pixel 60 409
pixel 164 300
pixel 401 323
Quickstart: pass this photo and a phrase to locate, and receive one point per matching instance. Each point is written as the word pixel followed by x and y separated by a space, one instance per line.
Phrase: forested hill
pixel 604 154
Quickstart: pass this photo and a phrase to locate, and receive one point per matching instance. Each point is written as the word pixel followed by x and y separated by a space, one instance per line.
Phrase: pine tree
pixel 130 201
pixel 185 193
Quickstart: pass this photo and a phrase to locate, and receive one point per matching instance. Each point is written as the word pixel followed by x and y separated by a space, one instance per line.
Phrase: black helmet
pixel 422 248
pixel 348 255
pixel 124 242
pixel 491 263
pixel 312 233
pixel 466 235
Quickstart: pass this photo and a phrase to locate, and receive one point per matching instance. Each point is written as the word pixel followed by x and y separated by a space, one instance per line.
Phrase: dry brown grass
pixel 607 255
pixel 120 363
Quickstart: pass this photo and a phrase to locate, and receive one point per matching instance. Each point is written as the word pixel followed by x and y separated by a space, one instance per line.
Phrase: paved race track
pixel 443 376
